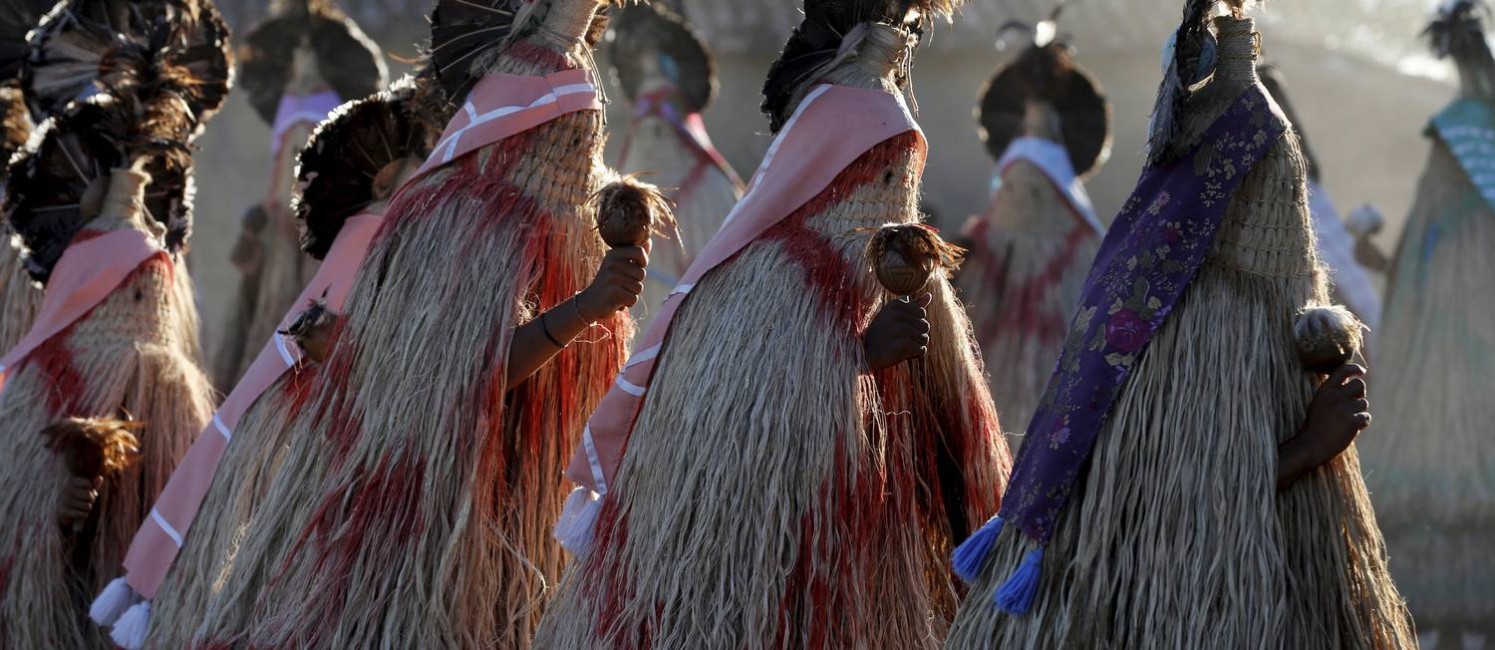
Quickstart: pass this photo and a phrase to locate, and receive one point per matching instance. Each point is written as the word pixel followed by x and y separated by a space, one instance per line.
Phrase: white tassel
pixel 577 526
pixel 112 602
pixel 130 631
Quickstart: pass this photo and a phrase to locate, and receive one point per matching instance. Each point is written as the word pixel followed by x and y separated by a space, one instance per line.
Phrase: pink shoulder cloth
pixel 832 127
pixel 160 537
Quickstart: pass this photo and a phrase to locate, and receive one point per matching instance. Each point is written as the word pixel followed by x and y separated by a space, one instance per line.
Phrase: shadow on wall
pixel 1365 121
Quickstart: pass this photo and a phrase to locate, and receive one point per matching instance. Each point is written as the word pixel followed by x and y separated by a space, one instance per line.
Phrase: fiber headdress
pixel 339 169
pixel 71 46
pixel 345 57
pixel 1046 70
pixel 683 55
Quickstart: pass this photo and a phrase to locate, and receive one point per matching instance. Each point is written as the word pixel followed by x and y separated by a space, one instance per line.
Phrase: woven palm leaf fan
pixel 346 58
pixel 68 48
pixel 653 30
pixel 345 166
pixel 463 30
pixel 1046 70
pixel 65 164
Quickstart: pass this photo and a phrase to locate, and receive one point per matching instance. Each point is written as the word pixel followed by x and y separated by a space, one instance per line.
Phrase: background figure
pixel 666 72
pixel 19 295
pixel 1047 123
pixel 1431 461
pixel 296 67
pixel 1349 282
pixel 101 398
pixel 1216 499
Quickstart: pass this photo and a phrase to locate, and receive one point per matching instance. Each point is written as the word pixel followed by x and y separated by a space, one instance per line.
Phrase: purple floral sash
pixel 1148 259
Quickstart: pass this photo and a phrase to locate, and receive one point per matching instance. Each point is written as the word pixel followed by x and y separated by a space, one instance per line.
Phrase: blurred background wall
pixel 1354 69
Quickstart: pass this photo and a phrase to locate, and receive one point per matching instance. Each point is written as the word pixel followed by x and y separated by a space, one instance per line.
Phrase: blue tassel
pixel 1016 595
pixel 970 556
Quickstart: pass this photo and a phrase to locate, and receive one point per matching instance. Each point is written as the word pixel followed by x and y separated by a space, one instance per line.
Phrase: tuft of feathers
pixel 655 30
pixel 144 116
pixel 816 42
pixel 904 256
pixel 71 48
pixel 345 165
pixel 94 448
pixel 1046 71
pixel 1457 31
pixel 462 31
pixel 1327 337
pixel 1192 44
pixel 346 58
pixel 629 211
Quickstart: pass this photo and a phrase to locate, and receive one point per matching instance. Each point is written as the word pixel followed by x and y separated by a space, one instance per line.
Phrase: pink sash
pixel 160 537
pixel 832 127
pixel 503 105
pixel 88 271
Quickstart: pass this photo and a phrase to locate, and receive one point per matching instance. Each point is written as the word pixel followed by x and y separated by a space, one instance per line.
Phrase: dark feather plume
pixel 338 169
pixel 16 20
pixel 1190 43
pixel 68 48
pixel 1458 32
pixel 346 57
pixel 145 113
pixel 817 40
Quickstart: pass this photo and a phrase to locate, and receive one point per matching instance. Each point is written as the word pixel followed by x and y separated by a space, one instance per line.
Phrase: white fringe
pixel 112 602
pixel 130 631
pixel 577 526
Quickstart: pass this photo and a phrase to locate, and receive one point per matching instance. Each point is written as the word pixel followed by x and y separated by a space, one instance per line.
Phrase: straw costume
pixel 1183 512
pixel 70 57
pixel 803 500
pixel 1046 122
pixel 19 296
pixel 415 503
pixel 296 67
pixel 667 72
pixel 347 172
pixel 1432 467
pixel 101 398
pixel 1350 283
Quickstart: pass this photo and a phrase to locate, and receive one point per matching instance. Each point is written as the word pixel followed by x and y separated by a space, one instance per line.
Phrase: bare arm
pixel 617 286
pixel 1338 414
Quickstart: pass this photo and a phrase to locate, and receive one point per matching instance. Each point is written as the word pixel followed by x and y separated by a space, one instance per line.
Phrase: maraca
pixel 905 256
pixel 629 211
pixel 1327 337
pixel 94 448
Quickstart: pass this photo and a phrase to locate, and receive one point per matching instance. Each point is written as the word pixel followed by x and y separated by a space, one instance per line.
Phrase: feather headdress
pixel 69 47
pixel 345 57
pixel 1189 60
pixel 1457 32
pixel 1046 70
pixel 16 21
pixel 144 116
pixel 344 166
pixel 817 44
pixel 462 31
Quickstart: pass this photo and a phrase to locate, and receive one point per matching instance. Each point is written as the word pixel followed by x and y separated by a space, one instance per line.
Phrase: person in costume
pixel 847 441
pixel 1048 124
pixel 296 67
pixel 667 73
pixel 1189 480
pixel 347 172
pixel 102 396
pixel 415 502
pixel 68 58
pixel 1432 466
pixel 1350 283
